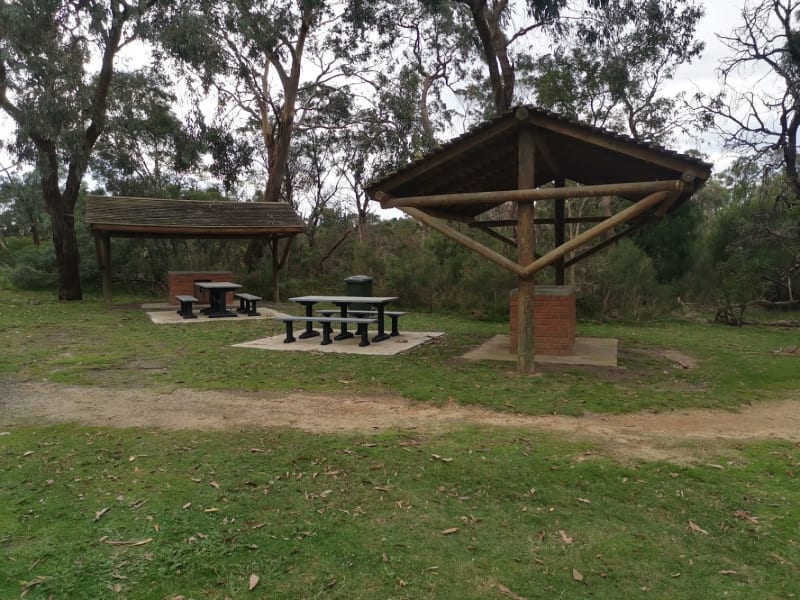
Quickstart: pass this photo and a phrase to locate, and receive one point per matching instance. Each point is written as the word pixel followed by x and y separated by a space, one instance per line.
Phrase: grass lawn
pixel 466 512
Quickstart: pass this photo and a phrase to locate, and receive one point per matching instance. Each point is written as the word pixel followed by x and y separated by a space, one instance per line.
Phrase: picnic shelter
pixel 122 216
pixel 530 155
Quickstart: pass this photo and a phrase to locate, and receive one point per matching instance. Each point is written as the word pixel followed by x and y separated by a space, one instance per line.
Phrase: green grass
pixel 100 513
pixel 82 343
pixel 355 517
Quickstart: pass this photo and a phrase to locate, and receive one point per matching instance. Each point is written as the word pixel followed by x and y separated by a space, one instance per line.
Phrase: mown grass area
pixel 471 513
pixel 462 513
pixel 82 343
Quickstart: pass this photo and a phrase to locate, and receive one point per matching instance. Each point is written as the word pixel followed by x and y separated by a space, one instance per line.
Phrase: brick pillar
pixel 182 282
pixel 554 314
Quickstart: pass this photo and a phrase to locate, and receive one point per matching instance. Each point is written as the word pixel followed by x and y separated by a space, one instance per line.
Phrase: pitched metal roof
pixel 156 217
pixel 485 159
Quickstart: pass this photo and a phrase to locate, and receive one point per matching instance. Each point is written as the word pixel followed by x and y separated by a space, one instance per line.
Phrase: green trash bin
pixel 359 285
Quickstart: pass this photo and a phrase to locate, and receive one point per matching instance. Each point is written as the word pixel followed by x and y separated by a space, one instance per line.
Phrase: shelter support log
pixel 637 189
pixel 102 244
pixel 526 254
pixel 576 242
pixel 462 239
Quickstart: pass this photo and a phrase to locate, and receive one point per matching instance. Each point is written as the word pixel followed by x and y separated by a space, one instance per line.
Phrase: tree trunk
pixel 65 244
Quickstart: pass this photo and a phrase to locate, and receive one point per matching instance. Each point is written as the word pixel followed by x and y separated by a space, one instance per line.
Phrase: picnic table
pixel 216 291
pixel 344 303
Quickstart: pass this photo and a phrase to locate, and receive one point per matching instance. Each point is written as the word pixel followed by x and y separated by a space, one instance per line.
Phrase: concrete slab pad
pixel 169 315
pixel 390 347
pixel 599 352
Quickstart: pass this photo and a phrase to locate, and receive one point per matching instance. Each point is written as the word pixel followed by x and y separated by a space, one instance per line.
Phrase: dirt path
pixel 679 435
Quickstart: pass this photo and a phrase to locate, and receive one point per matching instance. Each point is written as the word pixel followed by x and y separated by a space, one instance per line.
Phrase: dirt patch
pixel 682 436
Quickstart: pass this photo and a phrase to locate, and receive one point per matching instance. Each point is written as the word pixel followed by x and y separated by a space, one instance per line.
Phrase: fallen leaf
pixel 117 588
pixel 743 514
pixel 214 484
pixel 577 575
pixel 696 528
pixel 254 579
pixel 727 572
pixel 187 505
pixel 450 531
pixel 126 542
pixel 212 509
pixel 584 500
pixel 259 450
pixel 507 592
pixel 131 458
pixel 564 537
pixel 716 466
pixel 100 513
pixel 325 494
pixel 28 453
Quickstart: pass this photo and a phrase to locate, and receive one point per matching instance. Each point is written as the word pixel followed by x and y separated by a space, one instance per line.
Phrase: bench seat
pixel 185 310
pixel 327 329
pixel 247 303
pixel 393 314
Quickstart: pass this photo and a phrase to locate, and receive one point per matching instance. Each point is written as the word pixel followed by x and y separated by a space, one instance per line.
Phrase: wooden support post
pixel 526 243
pixel 102 244
pixel 560 233
pixel 462 239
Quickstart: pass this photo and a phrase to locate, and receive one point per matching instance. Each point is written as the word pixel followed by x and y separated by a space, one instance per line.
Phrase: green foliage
pixel 672 243
pixel 623 283
pixel 26 266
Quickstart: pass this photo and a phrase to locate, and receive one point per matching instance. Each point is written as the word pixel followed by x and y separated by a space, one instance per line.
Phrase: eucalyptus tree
pixel 615 70
pixel 504 34
pixel 273 65
pixel 147 149
pixel 57 63
pixel 22 207
pixel 758 109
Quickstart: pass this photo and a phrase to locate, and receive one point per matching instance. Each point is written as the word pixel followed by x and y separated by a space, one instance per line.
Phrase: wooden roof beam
pixel 621 217
pixel 496 197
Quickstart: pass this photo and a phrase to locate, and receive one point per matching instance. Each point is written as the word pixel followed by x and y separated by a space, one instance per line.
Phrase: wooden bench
pixel 394 314
pixel 247 303
pixel 185 310
pixel 327 328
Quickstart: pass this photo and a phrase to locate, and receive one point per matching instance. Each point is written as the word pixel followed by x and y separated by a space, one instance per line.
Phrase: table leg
pixel 309 332
pixel 343 334
pixel 382 335
pixel 218 308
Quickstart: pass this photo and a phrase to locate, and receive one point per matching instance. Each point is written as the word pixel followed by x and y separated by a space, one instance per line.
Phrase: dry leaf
pixel 450 531
pixel 126 542
pixel 727 572
pixel 212 509
pixel 564 537
pixel 325 494
pixel 187 505
pixel 258 450
pixel 253 582
pixel 743 514
pixel 584 500
pixel 28 453
pixel 214 484
pixel 577 575
pixel 696 528
pixel 100 513
pixel 507 592
pixel 117 588
pixel 716 466
pixel 131 458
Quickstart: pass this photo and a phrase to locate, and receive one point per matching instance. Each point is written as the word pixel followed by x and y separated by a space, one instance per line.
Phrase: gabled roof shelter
pixel 163 218
pixel 529 155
